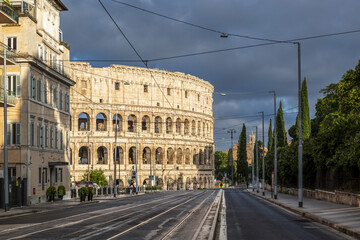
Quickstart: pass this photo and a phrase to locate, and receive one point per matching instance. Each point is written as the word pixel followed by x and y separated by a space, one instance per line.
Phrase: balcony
pixel 11 100
pixel 8 14
pixel 24 8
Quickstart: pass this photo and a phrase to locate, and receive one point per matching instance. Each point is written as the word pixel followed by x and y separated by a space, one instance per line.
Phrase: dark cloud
pixel 92 35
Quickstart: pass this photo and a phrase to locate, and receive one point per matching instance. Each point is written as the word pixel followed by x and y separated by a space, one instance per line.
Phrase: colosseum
pixel 162 121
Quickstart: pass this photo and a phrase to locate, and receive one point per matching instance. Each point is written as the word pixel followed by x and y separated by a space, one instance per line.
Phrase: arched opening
pixel 158 125
pixel 193 128
pixel 179 156
pixel 195 157
pixel 70 157
pixel 131 123
pixel 178 126
pixel 203 130
pixel 117 122
pixel 83 122
pixel 119 155
pixel 170 156
pixel 146 155
pixel 200 183
pixel 84 155
pixel 195 183
pixel 188 182
pixel 206 155
pixel 187 156
pixel 201 155
pixel 102 155
pixel 159 155
pixel 199 128
pixel 132 155
pixel 168 125
pixel 205 182
pixel 145 124
pixel 180 183
pixel 101 122
pixel 186 127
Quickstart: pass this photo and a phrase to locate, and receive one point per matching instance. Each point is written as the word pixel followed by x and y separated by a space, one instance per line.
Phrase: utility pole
pixel 275 149
pixel 232 131
pixel 257 160
pixel 263 155
pixel 252 169
pixel 300 173
pixel 6 177
pixel 150 172
pixel 88 158
pixel 115 152
pixel 136 171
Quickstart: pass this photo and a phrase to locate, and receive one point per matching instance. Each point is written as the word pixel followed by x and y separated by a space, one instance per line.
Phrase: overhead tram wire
pixel 145 62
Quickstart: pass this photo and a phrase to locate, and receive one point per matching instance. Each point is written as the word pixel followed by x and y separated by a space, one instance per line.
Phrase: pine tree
pixel 305 112
pixel 270 138
pixel 280 128
pixel 242 155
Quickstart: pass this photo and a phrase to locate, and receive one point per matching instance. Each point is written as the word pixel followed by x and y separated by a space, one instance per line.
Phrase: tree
pixel 242 168
pixel 305 112
pixel 221 164
pixel 97 176
pixel 270 138
pixel 280 128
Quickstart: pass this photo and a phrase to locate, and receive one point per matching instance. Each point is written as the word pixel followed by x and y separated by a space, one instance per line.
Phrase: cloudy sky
pixel 245 75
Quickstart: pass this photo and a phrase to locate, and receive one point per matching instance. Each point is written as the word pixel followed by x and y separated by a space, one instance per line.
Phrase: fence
pixel 106 191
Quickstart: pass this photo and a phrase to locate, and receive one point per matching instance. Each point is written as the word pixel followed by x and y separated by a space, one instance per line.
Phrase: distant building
pixel 249 149
pixel 38 116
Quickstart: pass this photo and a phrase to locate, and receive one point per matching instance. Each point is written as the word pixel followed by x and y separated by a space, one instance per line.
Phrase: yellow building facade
pixel 38 114
pixel 163 121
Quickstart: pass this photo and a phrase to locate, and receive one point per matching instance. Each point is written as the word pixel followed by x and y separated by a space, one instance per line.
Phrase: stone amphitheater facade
pixel 166 116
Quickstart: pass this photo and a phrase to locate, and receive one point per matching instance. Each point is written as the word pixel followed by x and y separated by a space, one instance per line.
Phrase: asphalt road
pixel 153 216
pixel 248 217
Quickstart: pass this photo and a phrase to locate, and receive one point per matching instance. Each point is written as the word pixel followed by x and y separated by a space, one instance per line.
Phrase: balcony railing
pixel 11 100
pixel 7 13
pixel 23 7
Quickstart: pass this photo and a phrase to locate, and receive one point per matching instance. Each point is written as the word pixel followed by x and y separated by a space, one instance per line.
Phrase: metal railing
pixel 9 10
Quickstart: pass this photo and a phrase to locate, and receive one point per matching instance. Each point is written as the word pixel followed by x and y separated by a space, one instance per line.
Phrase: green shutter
pixel 18 87
pixel 8 133
pixel 18 132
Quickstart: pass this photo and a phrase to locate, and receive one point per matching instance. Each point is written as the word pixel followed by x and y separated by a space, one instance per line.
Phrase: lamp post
pixel 136 156
pixel 257 162
pixel 6 177
pixel 252 167
pixel 232 131
pixel 275 149
pixel 115 154
pixel 263 157
pixel 300 173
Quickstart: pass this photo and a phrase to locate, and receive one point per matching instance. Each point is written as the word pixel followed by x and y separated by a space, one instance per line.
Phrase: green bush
pixel 83 190
pixel 91 190
pixel 51 190
pixel 61 190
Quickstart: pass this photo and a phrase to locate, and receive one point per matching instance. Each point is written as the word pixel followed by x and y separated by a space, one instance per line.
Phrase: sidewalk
pixel 340 217
pixel 47 206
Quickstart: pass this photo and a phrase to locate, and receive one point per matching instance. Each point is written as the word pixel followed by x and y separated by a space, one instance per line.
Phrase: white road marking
pixel 223 226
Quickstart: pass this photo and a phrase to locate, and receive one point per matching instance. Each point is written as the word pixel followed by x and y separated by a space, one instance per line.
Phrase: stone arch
pixel 145 124
pixel 186 127
pixel 178 126
pixel 201 157
pixel 84 153
pixel 119 155
pixel 117 122
pixel 179 156
pixel 132 120
pixel 199 128
pixel 169 125
pixel 158 124
pixel 146 155
pixel 193 128
pixel 195 157
pixel 180 183
pixel 101 122
pixel 195 183
pixel 187 156
pixel 187 183
pixel 205 182
pixel 203 129
pixel 159 155
pixel 132 155
pixel 170 156
pixel 83 122
pixel 201 182
pixel 102 155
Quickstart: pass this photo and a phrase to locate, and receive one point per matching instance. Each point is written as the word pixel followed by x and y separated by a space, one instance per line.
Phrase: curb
pixel 339 227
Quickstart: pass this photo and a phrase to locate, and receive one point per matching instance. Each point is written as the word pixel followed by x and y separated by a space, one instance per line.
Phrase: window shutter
pixel 38 132
pixel 8 133
pixel 18 132
pixel 18 87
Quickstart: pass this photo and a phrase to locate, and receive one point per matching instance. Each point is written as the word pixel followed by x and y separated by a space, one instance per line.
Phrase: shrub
pixel 61 190
pixel 91 190
pixel 83 190
pixel 51 190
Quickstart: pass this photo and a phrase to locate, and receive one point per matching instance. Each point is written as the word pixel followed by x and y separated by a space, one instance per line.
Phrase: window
pixel 45 54
pixel 40 50
pixel 61 100
pixel 39 90
pixel 117 86
pixel 198 97
pixel 45 174
pixel 168 92
pixel 13 134
pixel 13 85
pixel 33 87
pixel 61 140
pixel 45 92
pixel 51 137
pixel 145 88
pixel 56 175
pixel 55 62
pixel 61 174
pixel 56 138
pixel 55 97
pixel 67 102
pixel 40 136
pixel 39 175
pixel 101 100
pixel 61 67
pixel 186 94
pixel 32 134
pixel 12 43
pixel 46 136
pixel 51 94
pixel 50 58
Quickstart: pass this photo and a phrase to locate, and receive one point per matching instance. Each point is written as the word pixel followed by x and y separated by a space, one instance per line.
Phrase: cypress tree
pixel 305 111
pixel 270 138
pixel 242 155
pixel 280 128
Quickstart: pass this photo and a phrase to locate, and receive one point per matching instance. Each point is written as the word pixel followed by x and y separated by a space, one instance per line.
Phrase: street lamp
pixel 300 173
pixel 275 149
pixel 136 154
